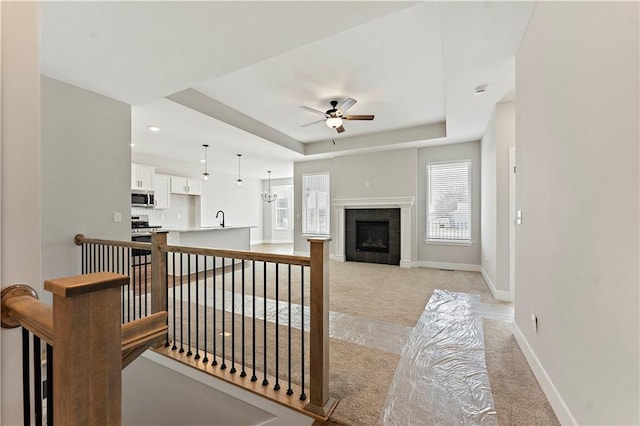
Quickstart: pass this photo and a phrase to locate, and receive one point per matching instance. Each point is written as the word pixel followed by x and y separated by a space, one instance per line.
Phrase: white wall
pixel 369 175
pixel 433 254
pixel 242 205
pixel 577 249
pixel 85 172
pixel 494 216
pixel 20 179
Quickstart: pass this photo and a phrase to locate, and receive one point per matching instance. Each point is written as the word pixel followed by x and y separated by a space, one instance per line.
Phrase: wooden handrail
pixel 31 314
pixel 80 239
pixel 139 335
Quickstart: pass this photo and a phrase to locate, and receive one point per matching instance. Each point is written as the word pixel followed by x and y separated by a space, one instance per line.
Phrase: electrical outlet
pixel 534 322
pixel 117 217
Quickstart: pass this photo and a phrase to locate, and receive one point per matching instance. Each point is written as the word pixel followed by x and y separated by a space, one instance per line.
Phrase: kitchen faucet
pixel 221 223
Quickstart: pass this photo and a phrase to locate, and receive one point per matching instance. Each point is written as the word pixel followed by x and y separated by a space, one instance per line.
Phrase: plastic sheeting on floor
pixel 442 377
pixel 380 335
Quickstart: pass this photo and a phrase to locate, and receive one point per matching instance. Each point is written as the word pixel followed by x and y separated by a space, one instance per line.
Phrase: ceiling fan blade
pixel 358 117
pixel 313 122
pixel 306 108
pixel 348 103
pixel 340 129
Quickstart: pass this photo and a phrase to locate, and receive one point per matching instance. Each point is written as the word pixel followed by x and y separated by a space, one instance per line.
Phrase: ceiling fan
pixel 333 117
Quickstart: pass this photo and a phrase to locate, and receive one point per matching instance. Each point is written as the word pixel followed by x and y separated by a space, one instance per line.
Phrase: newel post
pixel 87 349
pixel 158 272
pixel 319 400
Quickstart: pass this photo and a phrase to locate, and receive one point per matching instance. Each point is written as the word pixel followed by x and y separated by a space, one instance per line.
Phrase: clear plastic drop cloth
pixel 441 378
pixel 380 335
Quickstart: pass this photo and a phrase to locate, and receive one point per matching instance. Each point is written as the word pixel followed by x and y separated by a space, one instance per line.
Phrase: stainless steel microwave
pixel 142 199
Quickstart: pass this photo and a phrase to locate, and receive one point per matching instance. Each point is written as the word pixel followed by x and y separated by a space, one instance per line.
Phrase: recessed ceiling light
pixel 132 144
pixel 480 89
pixel 202 160
pixel 153 128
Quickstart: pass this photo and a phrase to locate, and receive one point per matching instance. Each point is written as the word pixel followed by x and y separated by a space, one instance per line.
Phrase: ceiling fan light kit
pixel 334 117
pixel 333 122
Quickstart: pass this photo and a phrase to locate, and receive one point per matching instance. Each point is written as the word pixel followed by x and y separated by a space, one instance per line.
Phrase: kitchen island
pixel 217 237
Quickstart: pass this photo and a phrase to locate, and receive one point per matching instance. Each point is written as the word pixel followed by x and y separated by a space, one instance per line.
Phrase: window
pixel 282 208
pixel 315 204
pixel 449 201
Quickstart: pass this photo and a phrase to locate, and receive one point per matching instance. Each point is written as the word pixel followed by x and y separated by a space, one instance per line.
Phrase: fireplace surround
pixel 372 236
pixel 404 204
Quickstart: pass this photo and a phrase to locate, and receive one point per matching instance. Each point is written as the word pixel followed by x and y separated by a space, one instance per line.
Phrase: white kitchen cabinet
pixel 183 185
pixel 161 188
pixel 142 177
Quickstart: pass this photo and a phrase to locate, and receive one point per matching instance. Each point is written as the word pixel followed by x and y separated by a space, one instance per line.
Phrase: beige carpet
pixel 360 376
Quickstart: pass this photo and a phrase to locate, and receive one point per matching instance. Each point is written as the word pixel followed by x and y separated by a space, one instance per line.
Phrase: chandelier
pixel 269 196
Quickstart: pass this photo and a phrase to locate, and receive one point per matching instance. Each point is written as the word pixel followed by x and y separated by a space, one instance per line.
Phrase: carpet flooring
pixel 360 376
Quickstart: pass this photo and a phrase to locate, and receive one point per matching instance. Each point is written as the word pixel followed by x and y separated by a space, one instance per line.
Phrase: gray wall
pixel 85 172
pixel 20 179
pixel 494 193
pixel 270 234
pixel 377 174
pixel 577 249
pixel 300 244
pixel 398 173
pixel 488 200
pixel 440 253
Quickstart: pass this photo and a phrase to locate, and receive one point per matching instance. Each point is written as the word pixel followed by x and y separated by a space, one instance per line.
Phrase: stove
pixel 141 232
pixel 140 225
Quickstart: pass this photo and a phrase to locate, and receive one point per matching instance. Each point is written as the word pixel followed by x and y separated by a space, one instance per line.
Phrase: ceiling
pixel 233 74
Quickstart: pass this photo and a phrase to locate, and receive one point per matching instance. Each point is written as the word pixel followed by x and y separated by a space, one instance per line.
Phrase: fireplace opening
pixel 372 236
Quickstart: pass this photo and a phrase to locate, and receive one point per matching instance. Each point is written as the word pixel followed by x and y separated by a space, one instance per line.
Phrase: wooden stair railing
pixel 90 346
pixel 318 403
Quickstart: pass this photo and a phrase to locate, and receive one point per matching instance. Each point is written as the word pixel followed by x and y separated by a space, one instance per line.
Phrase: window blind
pixel 283 208
pixel 449 201
pixel 315 204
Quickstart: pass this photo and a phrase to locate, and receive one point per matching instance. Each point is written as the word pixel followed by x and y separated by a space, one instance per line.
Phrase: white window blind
pixel 449 201
pixel 283 208
pixel 315 204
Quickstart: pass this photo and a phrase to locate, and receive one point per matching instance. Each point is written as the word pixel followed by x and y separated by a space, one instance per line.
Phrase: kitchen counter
pixel 229 237
pixel 207 228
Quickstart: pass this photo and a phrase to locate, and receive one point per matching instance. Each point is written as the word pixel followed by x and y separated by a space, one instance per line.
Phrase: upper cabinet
pixel 161 187
pixel 183 185
pixel 142 177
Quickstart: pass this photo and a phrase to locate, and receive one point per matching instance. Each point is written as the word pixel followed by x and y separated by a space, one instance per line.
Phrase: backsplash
pixel 181 214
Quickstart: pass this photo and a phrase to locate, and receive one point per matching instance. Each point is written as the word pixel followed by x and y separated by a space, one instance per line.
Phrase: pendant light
pixel 205 175
pixel 269 196
pixel 239 180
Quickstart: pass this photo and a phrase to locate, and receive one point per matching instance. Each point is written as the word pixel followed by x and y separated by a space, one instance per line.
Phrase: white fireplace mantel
pixel 402 203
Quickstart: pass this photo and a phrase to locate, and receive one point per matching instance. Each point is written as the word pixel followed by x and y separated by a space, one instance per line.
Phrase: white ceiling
pixel 233 74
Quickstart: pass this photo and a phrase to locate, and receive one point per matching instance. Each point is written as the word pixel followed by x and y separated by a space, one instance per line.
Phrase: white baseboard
pixel 503 296
pixel 406 264
pixel 301 253
pixel 278 241
pixel 555 399
pixel 337 257
pixel 446 265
